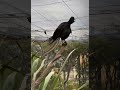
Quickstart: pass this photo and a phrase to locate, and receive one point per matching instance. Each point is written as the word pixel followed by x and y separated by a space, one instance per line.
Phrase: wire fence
pixel 54 21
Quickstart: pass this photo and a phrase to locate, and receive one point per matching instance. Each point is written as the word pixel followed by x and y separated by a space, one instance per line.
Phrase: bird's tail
pixel 51 40
pixel 51 45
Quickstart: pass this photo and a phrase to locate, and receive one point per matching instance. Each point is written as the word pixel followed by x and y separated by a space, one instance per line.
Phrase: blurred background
pixel 46 15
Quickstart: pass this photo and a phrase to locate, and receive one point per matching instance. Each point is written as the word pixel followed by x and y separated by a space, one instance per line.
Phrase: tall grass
pixel 35 69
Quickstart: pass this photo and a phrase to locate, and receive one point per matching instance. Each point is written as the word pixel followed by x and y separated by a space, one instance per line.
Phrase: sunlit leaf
pixel 47 79
pixel 35 65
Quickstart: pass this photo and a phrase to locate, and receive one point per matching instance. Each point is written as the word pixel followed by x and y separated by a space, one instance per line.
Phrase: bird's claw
pixel 64 43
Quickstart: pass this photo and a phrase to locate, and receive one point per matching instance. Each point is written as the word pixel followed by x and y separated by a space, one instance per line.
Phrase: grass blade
pixel 47 79
pixel 56 79
pixel 35 65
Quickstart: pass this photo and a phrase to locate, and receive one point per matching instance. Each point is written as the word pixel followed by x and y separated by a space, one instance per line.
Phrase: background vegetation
pixel 59 74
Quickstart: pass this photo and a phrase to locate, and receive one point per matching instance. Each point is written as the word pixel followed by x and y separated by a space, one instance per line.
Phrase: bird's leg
pixel 64 43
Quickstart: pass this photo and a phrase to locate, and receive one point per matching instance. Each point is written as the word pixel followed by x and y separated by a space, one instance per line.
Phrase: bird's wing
pixel 62 25
pixel 59 30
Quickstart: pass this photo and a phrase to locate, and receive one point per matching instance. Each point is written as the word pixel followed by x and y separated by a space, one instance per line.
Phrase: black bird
pixel 63 31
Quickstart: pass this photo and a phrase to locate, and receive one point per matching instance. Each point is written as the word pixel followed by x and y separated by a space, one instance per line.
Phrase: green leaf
pixel 47 79
pixel 35 65
pixel 42 65
pixel 38 70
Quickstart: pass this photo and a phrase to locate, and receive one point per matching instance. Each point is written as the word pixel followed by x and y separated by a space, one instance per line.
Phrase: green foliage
pixel 34 65
pixel 54 81
pixel 47 79
pixel 81 48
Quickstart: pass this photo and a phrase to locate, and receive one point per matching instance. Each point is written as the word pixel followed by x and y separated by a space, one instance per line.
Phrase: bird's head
pixel 71 20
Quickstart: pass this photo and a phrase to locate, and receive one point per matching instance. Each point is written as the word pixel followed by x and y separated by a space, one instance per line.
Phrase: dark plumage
pixel 63 31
